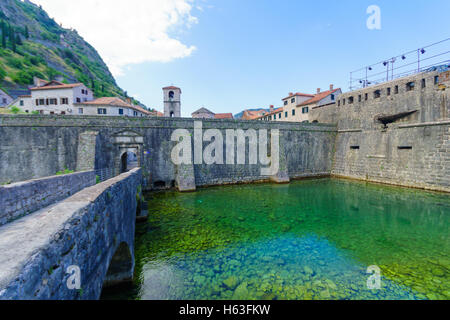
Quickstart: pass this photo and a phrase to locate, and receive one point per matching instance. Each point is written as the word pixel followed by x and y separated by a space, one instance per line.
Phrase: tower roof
pixel 171 88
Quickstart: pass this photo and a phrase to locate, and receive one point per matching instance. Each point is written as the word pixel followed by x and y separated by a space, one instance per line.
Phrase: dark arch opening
pixel 171 95
pixel 159 185
pixel 172 114
pixel 124 162
pixel 120 269
pixel 128 161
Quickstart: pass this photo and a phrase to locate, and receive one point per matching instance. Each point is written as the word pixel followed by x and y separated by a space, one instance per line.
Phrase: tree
pixel 3 29
pixel 18 40
pixel 27 33
pixel 12 38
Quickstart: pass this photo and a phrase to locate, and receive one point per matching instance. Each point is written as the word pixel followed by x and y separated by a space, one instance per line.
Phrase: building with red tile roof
pixel 223 116
pixel 112 106
pixel 297 106
pixel 253 114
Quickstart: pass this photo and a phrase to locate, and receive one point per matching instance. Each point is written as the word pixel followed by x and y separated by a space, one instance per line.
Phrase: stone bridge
pixel 70 249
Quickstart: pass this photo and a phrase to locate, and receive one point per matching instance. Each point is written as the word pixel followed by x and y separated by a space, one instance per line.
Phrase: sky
pixel 231 55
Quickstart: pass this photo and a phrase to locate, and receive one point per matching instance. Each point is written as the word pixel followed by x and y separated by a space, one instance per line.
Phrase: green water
pixel 310 239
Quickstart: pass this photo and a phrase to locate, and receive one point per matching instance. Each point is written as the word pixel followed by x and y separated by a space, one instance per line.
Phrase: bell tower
pixel 172 102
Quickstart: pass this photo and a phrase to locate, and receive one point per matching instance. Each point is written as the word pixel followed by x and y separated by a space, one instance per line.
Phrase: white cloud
pixel 127 31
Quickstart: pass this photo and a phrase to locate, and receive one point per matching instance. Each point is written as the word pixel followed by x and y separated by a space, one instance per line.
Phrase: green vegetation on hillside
pixel 33 44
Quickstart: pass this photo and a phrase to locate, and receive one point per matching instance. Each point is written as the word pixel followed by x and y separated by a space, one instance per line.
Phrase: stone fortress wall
pixel 397 132
pixel 38 146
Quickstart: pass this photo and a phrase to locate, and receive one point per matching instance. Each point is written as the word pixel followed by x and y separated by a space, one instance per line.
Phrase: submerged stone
pixel 231 282
pixel 241 292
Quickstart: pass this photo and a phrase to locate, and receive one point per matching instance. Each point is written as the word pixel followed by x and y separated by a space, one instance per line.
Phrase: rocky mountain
pixel 33 44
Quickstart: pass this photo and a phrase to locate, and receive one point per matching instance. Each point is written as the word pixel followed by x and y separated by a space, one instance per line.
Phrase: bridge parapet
pixel 91 232
pixel 22 198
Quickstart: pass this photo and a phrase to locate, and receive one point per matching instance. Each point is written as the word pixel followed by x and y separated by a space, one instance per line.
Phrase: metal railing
pixel 432 55
pixel 106 174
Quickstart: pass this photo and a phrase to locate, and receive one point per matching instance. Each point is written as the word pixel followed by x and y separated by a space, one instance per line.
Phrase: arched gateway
pixel 128 150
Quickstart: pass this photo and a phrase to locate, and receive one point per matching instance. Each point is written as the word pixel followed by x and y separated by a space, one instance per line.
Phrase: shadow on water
pixel 310 239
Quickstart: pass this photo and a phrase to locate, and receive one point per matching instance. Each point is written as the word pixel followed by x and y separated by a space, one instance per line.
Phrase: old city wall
pixel 407 149
pixel 38 146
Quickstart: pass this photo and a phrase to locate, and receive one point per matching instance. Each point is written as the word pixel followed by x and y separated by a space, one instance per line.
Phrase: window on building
pixel 396 90
pixel 80 111
pixel 343 102
pixel 135 113
pixel 339 103
pixel 293 112
pixel 436 79
pixel 279 115
pixel 78 100
pixel 21 103
pixel 52 112
pixel 286 103
pixel 424 83
pixel 101 111
pixel 286 114
pixel 63 112
pixel 377 94
pixel 366 96
pixel 305 110
pixel 53 101
pixel 388 91
pixel 359 98
pixel 350 100
pixel 41 102
pixel 332 97
pixel 293 100
pixel 121 111
pixel 4 100
pixel 64 100
pixel 410 86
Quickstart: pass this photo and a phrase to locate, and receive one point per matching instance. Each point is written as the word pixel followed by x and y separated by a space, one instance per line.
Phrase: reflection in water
pixel 307 240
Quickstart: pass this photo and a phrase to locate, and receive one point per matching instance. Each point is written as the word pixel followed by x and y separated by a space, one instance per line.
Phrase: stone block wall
pixel 20 199
pixel 411 155
pixel 308 147
pixel 410 151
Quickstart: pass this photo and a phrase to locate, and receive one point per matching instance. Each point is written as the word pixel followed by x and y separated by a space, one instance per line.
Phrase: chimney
pixel 129 101
pixel 290 94
pixel 271 108
pixel 38 82
pixel 331 87
pixel 318 90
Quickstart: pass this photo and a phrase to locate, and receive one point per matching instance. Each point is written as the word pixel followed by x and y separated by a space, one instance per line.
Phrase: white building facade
pixel 57 98
pixel 110 106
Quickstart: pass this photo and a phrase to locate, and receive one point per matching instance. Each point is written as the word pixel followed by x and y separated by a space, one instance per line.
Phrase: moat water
pixel 312 239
